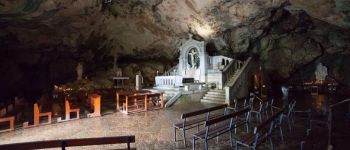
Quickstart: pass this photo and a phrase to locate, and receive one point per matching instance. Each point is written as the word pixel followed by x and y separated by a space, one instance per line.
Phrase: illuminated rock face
pixel 50 37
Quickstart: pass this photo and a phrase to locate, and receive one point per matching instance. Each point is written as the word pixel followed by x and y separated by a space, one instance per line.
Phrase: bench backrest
pixel 225 117
pixel 202 111
pixel 71 142
pixel 266 124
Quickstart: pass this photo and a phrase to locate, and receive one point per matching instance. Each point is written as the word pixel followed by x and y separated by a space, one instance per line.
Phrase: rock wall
pixel 42 41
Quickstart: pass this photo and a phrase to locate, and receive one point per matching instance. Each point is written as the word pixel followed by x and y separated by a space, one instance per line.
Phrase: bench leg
pixel 206 145
pixel 231 139
pixel 271 142
pixel 237 146
pixel 260 119
pixel 184 136
pixel 174 134
pixel 194 143
pixel 289 126
pixel 247 126
pixel 281 132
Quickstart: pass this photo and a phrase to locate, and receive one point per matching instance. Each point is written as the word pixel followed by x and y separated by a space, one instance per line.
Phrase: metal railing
pixel 230 70
pixel 168 80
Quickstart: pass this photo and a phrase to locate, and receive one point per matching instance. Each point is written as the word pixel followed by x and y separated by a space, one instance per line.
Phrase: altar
pixel 196 66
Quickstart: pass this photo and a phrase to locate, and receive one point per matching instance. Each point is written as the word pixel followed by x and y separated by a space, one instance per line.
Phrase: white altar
pixel 194 62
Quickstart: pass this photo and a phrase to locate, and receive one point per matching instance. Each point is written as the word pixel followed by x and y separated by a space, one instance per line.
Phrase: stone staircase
pixel 214 96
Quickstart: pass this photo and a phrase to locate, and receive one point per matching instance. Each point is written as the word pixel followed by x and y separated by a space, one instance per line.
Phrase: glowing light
pixel 204 30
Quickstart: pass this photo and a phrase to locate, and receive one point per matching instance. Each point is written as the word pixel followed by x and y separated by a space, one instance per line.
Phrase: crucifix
pixel 192 54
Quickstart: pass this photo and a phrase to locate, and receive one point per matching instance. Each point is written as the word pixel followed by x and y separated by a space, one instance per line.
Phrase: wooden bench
pixel 37 115
pixel 261 133
pixel 71 143
pixel 11 121
pixel 95 102
pixel 191 119
pixel 219 126
pixel 68 111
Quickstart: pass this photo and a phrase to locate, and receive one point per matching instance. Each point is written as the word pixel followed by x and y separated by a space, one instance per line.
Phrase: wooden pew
pixel 261 133
pixel 71 143
pixel 68 111
pixel 218 126
pixel 37 115
pixel 189 119
pixel 95 102
pixel 11 121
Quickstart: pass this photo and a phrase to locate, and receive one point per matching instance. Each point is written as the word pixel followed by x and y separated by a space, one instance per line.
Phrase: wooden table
pixel 136 97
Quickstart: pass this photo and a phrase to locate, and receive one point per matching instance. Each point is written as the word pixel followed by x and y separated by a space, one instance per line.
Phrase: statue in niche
pixel 192 62
pixel 321 72
pixel 118 72
pixel 79 70
pixel 193 59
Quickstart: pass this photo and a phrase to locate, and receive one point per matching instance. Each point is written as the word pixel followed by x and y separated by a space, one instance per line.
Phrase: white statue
pixel 284 91
pixel 321 72
pixel 118 72
pixel 79 70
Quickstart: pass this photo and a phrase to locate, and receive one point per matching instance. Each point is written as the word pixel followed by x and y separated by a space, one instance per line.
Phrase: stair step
pixel 215 96
pixel 211 101
pixel 217 93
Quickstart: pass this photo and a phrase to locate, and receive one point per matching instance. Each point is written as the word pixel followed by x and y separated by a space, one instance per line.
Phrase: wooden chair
pixel 95 101
pixel 37 115
pixel 11 121
pixel 68 111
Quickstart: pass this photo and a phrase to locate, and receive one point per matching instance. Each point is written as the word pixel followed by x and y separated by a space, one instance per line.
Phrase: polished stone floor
pixel 152 129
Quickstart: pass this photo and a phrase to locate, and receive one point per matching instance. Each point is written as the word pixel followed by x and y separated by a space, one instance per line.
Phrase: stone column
pixel 138 85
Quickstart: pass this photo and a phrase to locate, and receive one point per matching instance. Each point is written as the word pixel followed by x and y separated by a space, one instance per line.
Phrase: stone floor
pixel 153 130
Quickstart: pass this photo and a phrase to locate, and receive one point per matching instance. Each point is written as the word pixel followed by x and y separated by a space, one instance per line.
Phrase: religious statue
pixel 79 70
pixel 321 72
pixel 284 91
pixel 118 72
pixel 193 59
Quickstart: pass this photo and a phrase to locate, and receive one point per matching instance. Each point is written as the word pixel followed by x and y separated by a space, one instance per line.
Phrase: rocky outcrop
pixel 43 41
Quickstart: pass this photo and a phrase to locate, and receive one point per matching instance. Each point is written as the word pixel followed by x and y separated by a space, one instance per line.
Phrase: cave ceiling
pixel 151 27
